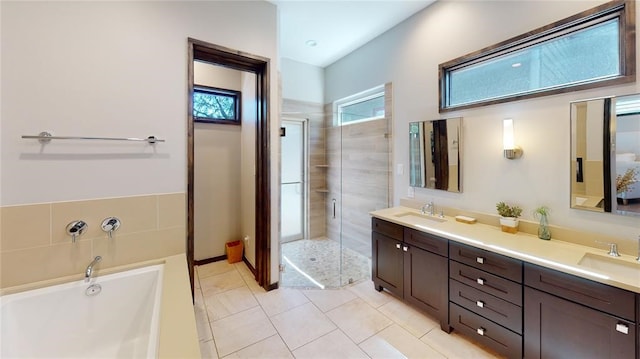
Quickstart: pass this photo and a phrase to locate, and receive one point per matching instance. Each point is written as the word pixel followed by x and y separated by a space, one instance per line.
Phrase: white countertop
pixel 554 254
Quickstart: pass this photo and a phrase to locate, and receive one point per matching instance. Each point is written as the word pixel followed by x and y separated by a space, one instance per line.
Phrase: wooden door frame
pixel 234 59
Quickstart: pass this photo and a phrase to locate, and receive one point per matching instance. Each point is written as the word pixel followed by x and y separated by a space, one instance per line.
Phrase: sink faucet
pixel 638 258
pixel 430 207
pixel 613 248
pixel 89 271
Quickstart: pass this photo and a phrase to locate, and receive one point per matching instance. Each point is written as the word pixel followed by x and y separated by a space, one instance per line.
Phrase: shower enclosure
pixel 346 176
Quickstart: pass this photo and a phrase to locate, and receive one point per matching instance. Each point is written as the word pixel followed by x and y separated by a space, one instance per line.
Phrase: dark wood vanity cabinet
pixel 485 294
pixel 387 264
pixel 412 265
pixel 572 317
pixel 425 274
pixel 516 308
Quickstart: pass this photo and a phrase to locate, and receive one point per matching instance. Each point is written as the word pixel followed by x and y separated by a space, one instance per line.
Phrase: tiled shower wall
pixel 34 245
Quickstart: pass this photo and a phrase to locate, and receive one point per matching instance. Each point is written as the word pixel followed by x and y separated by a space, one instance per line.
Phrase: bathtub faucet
pixel 89 271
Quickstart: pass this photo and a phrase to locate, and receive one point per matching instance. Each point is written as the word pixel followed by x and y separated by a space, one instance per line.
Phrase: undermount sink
pixel 611 265
pixel 417 218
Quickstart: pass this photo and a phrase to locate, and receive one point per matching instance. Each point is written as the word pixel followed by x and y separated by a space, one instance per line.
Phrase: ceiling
pixel 338 27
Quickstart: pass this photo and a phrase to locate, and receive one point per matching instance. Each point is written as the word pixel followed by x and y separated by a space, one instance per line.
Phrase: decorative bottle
pixel 543 229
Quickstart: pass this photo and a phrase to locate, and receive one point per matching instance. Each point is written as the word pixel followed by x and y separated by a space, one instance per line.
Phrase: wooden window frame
pixel 627 23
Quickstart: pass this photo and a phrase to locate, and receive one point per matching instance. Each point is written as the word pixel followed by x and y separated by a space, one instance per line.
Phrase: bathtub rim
pixel 80 277
pixel 178 336
pixel 154 321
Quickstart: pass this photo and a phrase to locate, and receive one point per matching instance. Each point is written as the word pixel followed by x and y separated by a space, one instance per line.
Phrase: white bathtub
pixel 62 321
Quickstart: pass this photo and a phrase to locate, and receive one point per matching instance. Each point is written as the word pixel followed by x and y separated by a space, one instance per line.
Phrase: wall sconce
pixel 511 151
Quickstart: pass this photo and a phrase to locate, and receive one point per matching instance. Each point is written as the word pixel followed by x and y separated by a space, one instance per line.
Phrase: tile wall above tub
pixel 34 245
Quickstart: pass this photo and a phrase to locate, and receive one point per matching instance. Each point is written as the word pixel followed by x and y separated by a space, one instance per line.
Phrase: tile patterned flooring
pixel 237 319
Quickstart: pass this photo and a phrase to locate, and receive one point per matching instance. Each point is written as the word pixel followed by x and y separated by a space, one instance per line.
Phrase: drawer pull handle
pixel 480 331
pixel 480 303
pixel 480 260
pixel 622 328
pixel 405 248
pixel 398 245
pixel 480 281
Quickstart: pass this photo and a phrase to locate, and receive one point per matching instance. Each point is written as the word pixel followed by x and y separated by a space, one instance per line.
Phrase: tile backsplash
pixel 34 244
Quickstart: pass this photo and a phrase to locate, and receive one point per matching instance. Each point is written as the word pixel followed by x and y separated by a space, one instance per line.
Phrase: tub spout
pixel 89 271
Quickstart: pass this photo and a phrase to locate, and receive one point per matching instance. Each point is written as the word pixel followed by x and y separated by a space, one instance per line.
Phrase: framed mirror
pixel 605 155
pixel 435 154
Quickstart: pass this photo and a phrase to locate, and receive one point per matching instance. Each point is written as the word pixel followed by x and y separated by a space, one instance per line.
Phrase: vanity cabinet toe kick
pixel 514 307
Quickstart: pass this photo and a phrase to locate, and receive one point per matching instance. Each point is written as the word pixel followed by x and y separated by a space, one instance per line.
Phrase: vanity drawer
pixel 486 282
pixel 426 241
pixel 485 331
pixel 500 311
pixel 487 261
pixel 596 295
pixel 389 229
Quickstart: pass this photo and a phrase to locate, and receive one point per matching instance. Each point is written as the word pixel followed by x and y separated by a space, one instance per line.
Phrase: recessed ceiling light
pixel 311 43
pixel 517 64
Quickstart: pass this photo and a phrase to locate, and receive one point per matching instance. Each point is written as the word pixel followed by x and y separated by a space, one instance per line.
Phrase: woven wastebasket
pixel 234 251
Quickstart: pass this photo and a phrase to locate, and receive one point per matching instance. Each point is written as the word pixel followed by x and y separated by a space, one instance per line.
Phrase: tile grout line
pixel 206 312
pixel 276 328
pixel 261 308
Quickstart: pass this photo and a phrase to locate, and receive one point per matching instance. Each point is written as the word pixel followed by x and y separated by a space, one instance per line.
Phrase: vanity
pixel 517 294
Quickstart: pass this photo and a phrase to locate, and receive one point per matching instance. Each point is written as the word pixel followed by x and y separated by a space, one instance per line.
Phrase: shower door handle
pixel 333 200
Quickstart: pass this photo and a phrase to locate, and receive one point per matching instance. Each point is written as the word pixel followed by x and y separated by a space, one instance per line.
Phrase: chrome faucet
pixel 613 248
pixel 430 207
pixel 88 273
pixel 638 258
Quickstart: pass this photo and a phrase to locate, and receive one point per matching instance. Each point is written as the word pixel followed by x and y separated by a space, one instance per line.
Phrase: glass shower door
pixel 360 184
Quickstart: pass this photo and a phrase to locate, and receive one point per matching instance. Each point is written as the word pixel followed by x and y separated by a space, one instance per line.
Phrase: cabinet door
pixel 386 264
pixel 555 328
pixel 426 282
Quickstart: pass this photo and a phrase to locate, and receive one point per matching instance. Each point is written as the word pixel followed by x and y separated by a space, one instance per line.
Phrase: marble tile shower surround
pixel 322 259
pixel 237 319
pixel 34 245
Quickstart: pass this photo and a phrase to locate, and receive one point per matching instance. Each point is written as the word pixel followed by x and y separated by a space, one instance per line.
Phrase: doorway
pixel 293 184
pixel 217 55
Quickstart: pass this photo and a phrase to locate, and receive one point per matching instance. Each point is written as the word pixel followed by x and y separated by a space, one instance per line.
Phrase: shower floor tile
pixel 316 263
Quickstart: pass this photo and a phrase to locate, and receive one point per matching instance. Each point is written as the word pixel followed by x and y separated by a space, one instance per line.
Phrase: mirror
pixel 435 154
pixel 605 155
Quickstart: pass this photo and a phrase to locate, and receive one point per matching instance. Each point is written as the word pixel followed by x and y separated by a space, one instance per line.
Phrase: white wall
pixel 113 69
pixel 302 82
pixel 108 69
pixel 408 56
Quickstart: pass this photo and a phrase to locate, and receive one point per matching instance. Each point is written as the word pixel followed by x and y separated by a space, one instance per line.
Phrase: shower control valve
pixel 110 225
pixel 76 228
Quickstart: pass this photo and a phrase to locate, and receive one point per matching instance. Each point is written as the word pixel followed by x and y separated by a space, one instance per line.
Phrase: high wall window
pixel 365 106
pixel 594 48
pixel 216 105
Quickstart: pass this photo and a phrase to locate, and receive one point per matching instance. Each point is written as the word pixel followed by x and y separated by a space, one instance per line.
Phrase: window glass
pixel 369 108
pixel 216 105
